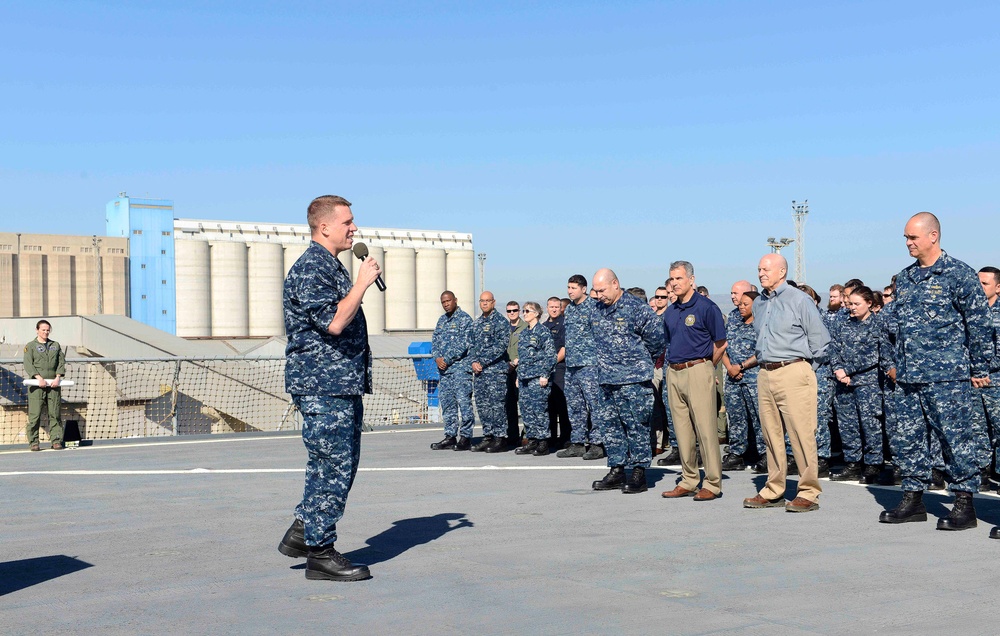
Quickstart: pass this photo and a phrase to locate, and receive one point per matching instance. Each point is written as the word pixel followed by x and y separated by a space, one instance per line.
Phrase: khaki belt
pixel 680 366
pixel 771 366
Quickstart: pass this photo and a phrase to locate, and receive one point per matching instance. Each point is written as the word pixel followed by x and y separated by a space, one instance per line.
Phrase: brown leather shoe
pixel 34 447
pixel 706 495
pixel 801 504
pixel 678 492
pixel 760 502
pixel 58 446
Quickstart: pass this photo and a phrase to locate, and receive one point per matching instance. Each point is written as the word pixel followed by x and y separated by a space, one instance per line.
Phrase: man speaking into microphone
pixel 328 368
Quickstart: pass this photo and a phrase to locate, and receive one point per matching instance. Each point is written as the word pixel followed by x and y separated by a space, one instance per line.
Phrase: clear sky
pixel 566 136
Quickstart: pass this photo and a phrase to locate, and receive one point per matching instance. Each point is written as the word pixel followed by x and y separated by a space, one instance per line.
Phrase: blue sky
pixel 566 136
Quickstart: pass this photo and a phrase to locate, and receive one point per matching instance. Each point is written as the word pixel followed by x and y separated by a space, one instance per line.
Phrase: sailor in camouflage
pixel 855 363
pixel 986 400
pixel 741 384
pixel 450 349
pixel 536 360
pixel 45 361
pixel 488 341
pixel 942 341
pixel 584 397
pixel 328 368
pixel 628 336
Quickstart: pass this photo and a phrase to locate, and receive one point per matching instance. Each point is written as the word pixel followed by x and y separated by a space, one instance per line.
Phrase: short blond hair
pixel 321 207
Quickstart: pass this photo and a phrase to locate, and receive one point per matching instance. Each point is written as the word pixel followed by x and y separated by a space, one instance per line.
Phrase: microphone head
pixel 361 250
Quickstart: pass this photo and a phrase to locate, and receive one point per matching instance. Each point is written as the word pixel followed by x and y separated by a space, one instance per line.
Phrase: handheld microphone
pixel 361 251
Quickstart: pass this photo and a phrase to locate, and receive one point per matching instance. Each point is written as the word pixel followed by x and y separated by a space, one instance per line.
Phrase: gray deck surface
pixel 459 545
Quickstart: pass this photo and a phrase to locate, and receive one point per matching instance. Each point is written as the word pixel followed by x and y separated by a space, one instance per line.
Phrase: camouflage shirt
pixel 855 350
pixel 995 340
pixel 580 348
pixel 451 341
pixel 887 325
pixel 629 337
pixel 943 323
pixel 742 341
pixel 318 362
pixel 489 337
pixel 536 353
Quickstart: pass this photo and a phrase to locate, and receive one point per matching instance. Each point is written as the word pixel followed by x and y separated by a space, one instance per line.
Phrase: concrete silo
pixel 192 266
pixel 59 284
pixel 31 298
pixel 401 288
pixel 461 276
pixel 431 281
pixel 265 271
pixel 292 253
pixel 230 317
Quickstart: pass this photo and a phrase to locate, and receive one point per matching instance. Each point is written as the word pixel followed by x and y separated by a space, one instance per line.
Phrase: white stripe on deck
pixel 244 471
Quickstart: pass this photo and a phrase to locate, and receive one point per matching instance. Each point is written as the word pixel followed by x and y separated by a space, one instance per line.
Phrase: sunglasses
pixel 660 297
pixel 512 311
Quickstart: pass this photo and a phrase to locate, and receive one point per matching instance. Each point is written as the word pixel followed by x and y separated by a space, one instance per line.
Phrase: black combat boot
pixel 573 450
pixel 760 468
pixel 596 451
pixel 671 459
pixel 327 564
pixel 636 482
pixel 962 515
pixel 445 444
pixel 995 532
pixel 293 544
pixel 463 444
pixel 851 472
pixel 732 461
pixel 528 448
pixel 482 445
pixel 497 445
pixel 823 467
pixel 911 508
pixel 937 480
pixel 793 468
pixel 614 480
pixel 871 473
pixel 985 485
pixel 542 449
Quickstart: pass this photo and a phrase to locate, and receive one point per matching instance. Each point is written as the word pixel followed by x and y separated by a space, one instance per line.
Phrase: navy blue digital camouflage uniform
pixel 855 350
pixel 629 337
pixel 536 359
pixel 741 395
pixel 451 342
pixel 942 341
pixel 887 325
pixel 326 376
pixel 986 400
pixel 488 341
pixel 584 397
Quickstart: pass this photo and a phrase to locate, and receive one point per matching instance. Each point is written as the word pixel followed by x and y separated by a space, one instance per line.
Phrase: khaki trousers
pixel 691 394
pixel 787 398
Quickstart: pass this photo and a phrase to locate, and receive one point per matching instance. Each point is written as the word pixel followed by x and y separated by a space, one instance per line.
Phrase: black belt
pixel 771 366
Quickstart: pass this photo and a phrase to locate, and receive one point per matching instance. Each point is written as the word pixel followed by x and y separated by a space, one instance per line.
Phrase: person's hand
pixel 477 368
pixel 543 381
pixel 368 272
pixel 442 365
pixel 42 383
pixel 981 383
pixel 514 362
pixel 55 383
pixel 733 370
pixel 892 374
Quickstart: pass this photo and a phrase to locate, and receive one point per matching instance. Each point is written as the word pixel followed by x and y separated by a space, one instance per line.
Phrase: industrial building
pixel 220 279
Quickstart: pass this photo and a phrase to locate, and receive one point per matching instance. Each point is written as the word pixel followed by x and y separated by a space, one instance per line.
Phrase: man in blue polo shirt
pixel 696 338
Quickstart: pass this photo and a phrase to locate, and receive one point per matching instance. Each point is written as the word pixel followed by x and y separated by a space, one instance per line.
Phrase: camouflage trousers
pixel 491 393
pixel 986 418
pixel 534 402
pixel 824 411
pixel 585 400
pixel 941 410
pixel 331 432
pixel 858 411
pixel 626 431
pixel 455 397
pixel 741 408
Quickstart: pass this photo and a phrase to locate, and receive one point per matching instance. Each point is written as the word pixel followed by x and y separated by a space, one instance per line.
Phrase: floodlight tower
pixel 799 213
pixel 482 271
pixel 777 244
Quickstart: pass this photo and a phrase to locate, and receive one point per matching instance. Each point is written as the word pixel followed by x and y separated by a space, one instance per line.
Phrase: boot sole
pixel 607 488
pixel 922 516
pixel 314 575
pixel 967 527
pixel 633 491
pixel 289 551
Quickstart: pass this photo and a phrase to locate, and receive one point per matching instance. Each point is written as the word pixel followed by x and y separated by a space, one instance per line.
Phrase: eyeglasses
pixel 528 311
pixel 886 295
pixel 512 311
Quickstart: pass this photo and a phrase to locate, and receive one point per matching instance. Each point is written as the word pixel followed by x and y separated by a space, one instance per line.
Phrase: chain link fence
pixel 153 397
